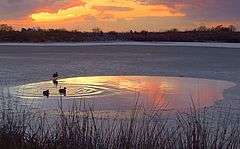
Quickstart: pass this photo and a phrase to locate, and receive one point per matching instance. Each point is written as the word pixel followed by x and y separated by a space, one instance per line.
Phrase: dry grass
pixel 21 128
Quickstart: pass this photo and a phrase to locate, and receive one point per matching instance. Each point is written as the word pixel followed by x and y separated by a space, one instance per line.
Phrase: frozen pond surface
pixel 25 64
pixel 117 93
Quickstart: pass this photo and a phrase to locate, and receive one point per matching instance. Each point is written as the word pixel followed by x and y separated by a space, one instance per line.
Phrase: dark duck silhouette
pixel 63 91
pixel 55 82
pixel 55 75
pixel 46 93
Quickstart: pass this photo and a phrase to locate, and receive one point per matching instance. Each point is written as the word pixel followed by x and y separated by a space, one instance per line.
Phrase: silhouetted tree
pixel 23 30
pixel 174 30
pixel 144 32
pixel 6 28
pixel 219 33
pixel 232 28
pixel 131 31
pixel 202 29
pixel 97 30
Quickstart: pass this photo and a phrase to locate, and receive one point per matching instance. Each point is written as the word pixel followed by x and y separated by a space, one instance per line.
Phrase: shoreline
pixel 123 43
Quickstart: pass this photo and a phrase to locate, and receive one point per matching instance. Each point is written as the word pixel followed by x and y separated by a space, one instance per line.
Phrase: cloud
pixel 109 9
pixel 203 9
pixel 61 4
pixel 215 10
pixel 112 8
pixel 16 9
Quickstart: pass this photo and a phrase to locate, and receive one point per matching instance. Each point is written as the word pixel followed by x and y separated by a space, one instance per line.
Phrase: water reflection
pixel 112 93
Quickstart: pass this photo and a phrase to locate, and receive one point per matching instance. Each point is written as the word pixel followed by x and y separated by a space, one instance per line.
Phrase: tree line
pixel 218 33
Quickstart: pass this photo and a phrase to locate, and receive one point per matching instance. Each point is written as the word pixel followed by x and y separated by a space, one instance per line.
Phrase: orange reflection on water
pixel 121 92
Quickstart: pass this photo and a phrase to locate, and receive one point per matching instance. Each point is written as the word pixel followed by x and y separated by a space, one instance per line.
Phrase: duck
pixel 55 82
pixel 63 91
pixel 46 93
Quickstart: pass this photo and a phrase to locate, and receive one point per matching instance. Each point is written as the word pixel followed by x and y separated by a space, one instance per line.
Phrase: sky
pixel 119 15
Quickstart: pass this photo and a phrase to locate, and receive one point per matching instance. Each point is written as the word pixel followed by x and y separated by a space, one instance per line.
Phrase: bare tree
pixel 232 28
pixel 96 30
pixel 6 28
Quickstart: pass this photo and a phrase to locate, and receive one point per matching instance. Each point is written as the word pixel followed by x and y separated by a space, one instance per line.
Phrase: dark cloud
pixel 218 10
pixel 14 9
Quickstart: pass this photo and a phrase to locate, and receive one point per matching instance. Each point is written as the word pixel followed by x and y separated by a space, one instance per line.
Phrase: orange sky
pixel 119 15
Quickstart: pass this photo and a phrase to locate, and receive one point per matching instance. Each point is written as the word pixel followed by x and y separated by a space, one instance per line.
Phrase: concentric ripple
pixel 34 90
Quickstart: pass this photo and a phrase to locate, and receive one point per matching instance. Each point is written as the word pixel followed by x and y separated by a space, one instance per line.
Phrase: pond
pixel 109 94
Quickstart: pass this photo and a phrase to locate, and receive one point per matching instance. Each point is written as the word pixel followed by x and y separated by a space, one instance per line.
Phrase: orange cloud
pixel 112 8
pixel 126 9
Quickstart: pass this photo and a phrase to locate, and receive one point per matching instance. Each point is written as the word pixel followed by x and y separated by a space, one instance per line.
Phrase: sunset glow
pixel 119 15
pixel 108 9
